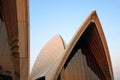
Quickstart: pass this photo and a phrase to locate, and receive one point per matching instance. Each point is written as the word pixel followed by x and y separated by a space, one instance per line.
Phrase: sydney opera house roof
pixel 86 57
pixel 47 61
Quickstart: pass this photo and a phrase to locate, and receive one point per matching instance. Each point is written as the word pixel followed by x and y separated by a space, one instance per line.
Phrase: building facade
pixel 86 57
pixel 14 40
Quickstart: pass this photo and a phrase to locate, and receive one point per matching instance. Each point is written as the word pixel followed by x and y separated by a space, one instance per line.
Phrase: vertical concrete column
pixel 15 57
pixel 16 17
pixel 22 7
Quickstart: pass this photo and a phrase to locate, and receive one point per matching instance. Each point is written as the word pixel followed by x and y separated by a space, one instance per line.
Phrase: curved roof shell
pixel 103 58
pixel 48 58
pixel 54 55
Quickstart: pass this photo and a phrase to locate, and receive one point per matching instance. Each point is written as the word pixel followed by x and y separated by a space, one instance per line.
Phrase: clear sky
pixel 64 17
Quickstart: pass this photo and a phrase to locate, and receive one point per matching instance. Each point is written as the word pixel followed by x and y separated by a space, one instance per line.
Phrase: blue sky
pixel 64 17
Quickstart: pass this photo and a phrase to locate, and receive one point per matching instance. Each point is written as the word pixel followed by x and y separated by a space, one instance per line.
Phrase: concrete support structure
pixel 14 16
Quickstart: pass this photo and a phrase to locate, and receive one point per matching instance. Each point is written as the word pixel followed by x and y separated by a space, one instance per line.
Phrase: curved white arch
pixel 47 58
pixel 93 18
pixel 54 55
